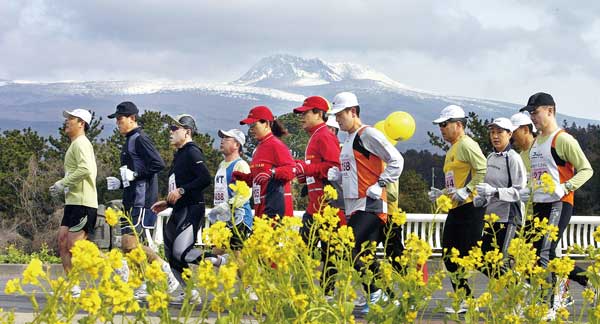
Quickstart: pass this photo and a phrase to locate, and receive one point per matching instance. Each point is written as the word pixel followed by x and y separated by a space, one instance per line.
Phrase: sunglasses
pixel 174 128
pixel 443 124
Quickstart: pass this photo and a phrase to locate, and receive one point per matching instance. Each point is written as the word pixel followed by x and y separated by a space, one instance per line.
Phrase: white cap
pixel 503 123
pixel 84 114
pixel 342 101
pixel 450 112
pixel 331 122
pixel 520 119
pixel 234 133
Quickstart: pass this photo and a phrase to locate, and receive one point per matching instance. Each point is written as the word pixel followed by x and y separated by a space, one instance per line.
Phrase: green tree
pixel 412 193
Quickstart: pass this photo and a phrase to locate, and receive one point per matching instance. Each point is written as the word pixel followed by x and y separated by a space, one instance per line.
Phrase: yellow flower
pixel 13 286
pixel 491 218
pixel 588 295
pixel 112 216
pixel 241 193
pixel 547 183
pixel 115 258
pixel 228 275
pixel 300 301
pixel 157 300
pixel 330 193
pixel 218 235
pixel 597 234
pixel 561 266
pixel 206 276
pixel 443 203
pixel 154 272
pixel 90 301
pixel 137 255
pixel 399 218
pixel 411 316
pixel 86 257
pixel 33 271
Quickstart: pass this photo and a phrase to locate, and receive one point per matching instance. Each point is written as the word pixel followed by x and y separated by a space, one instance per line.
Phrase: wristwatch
pixel 569 186
pixel 181 191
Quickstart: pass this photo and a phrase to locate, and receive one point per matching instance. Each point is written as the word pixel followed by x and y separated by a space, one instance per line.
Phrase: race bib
pixel 537 172
pixel 256 193
pixel 172 184
pixel 310 180
pixel 220 196
pixel 450 183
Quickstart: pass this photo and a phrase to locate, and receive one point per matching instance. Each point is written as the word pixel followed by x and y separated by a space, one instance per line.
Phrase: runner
pixel 363 178
pixel 232 142
pixel 140 164
pixel 558 154
pixel 464 223
pixel 523 137
pixel 499 191
pixel 322 152
pixel 78 188
pixel 188 177
pixel 272 166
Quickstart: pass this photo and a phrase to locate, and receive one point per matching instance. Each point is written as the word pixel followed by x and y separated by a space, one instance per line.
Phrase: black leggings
pixel 558 214
pixel 501 234
pixel 367 228
pixel 329 270
pixel 393 239
pixel 462 230
pixel 180 233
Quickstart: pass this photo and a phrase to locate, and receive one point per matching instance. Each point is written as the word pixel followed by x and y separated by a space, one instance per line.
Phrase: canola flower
pixel 443 203
pixel 33 272
pixel 242 193
pixel 218 235
pixel 112 216
pixel 157 300
pixel 329 193
pixel 90 301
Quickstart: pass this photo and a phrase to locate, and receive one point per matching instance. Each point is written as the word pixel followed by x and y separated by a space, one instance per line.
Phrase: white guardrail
pixel 430 228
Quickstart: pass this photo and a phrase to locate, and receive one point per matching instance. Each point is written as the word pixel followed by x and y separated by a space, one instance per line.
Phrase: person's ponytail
pixel 278 129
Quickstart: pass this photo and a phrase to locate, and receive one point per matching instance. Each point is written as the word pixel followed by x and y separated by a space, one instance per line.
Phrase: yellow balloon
pixel 380 125
pixel 400 125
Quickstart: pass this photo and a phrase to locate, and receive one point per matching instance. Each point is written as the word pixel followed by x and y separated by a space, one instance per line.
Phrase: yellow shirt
pixel 80 174
pixel 464 160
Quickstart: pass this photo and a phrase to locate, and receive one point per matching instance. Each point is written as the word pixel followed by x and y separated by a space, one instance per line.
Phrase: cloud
pixel 502 50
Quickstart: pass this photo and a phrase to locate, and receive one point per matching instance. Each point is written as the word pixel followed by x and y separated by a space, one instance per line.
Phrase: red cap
pixel 258 113
pixel 314 102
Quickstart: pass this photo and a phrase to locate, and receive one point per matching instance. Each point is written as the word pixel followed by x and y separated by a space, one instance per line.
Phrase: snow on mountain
pixel 287 71
pixel 104 88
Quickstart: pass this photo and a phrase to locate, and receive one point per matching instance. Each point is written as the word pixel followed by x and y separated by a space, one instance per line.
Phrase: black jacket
pixel 140 156
pixel 191 174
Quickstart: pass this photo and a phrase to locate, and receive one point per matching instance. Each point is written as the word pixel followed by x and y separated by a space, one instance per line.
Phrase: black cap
pixel 538 99
pixel 125 108
pixel 186 121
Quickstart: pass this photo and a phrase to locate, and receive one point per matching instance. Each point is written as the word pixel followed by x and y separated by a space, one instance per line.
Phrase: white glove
pixel 334 174
pixel 524 194
pixel 434 194
pixel 113 183
pixel 461 195
pixel 486 190
pixel 126 174
pixel 57 189
pixel 479 201
pixel 220 212
pixel 375 191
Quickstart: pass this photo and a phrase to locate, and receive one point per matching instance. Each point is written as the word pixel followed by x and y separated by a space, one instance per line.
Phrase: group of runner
pixel 505 181
pixel 365 170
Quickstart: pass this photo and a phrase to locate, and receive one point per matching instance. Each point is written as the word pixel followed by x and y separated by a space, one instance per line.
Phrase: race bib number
pixel 256 193
pixel 172 185
pixel 219 196
pixel 537 172
pixel 450 183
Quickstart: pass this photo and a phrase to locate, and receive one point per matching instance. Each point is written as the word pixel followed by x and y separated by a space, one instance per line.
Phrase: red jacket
pixel 322 152
pixel 272 154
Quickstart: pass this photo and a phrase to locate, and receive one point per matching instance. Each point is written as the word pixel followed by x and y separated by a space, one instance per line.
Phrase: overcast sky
pixel 504 50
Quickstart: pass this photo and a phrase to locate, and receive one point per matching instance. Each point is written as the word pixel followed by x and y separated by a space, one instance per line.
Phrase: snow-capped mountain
pixel 279 81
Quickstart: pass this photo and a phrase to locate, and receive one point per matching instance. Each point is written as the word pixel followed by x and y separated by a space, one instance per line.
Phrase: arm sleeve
pixel 284 163
pixel 470 152
pixel 202 178
pixel 569 150
pixel 518 175
pixel 375 142
pixel 392 192
pixel 153 163
pixel 84 157
pixel 329 148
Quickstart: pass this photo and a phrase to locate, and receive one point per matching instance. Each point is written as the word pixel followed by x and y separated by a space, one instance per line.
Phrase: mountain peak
pixel 284 70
